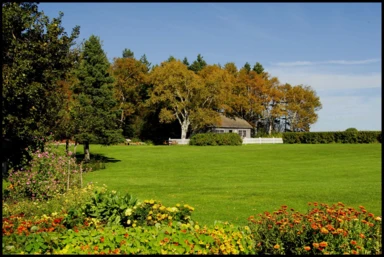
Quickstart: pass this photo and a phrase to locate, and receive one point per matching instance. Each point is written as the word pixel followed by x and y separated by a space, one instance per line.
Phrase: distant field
pixel 230 183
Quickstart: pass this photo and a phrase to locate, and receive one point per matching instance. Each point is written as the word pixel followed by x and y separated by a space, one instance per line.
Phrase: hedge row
pixel 344 137
pixel 216 139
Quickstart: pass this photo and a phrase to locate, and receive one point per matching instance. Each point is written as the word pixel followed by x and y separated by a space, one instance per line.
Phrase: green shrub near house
pixel 216 139
pixel 341 137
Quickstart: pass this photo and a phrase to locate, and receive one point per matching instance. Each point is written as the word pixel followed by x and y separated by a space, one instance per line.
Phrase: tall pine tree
pixel 94 113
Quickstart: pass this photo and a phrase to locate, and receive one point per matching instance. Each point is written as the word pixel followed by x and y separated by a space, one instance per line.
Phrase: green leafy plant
pixel 205 139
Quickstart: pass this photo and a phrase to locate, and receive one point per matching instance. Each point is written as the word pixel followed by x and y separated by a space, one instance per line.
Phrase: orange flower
pixel 315 245
pixel 315 203
pixel 324 231
pixel 323 244
pixel 362 235
pixel 314 226
pixel 307 248
pixel 353 242
pixel 354 252
pixel 276 246
pixel 102 239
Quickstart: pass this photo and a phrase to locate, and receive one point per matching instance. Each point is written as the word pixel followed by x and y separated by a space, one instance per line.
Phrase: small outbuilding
pixel 233 125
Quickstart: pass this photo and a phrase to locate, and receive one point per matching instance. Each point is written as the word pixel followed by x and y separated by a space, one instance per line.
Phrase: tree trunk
pixel 66 146
pixel 87 155
pixel 270 128
pixel 184 129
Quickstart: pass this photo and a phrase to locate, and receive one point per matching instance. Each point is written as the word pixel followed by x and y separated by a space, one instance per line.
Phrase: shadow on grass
pixel 97 161
pixel 97 157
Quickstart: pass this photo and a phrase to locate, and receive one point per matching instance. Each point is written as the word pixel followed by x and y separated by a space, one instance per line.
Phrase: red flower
pixel 102 239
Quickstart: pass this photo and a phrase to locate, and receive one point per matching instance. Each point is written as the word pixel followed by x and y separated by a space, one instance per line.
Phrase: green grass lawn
pixel 230 183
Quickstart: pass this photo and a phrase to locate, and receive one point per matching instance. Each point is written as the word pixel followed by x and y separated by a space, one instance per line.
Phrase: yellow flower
pixel 128 212
pixel 134 225
pixel 151 201
pixel 149 217
pixel 155 206
pixel 169 217
pixel 197 227
pixel 378 218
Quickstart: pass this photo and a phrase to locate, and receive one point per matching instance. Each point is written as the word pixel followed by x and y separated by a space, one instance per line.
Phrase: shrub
pixel 162 239
pixel 59 203
pixel 344 137
pixel 112 208
pixel 351 130
pixel 48 173
pixel 204 139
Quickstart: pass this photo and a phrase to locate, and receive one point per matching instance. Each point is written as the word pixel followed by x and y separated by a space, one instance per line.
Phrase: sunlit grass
pixel 230 183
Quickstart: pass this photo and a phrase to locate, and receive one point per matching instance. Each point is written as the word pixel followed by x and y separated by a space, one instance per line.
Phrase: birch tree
pixel 182 94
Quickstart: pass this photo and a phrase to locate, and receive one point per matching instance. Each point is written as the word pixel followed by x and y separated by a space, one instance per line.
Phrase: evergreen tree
pixel 127 53
pixel 144 60
pixel 198 65
pixel 171 59
pixel 185 61
pixel 36 54
pixel 93 114
pixel 258 68
pixel 247 67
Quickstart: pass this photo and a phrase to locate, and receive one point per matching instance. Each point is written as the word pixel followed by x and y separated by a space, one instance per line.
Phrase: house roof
pixel 236 122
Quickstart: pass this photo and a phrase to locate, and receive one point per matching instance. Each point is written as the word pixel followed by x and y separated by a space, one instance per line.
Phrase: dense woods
pixel 52 86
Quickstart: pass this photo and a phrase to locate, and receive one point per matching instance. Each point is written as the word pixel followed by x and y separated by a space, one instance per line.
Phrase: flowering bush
pixel 152 212
pixel 223 238
pixel 323 229
pixel 47 174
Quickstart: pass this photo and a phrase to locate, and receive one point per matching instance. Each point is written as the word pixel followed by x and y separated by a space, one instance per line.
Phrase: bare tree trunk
pixel 69 171
pixel 66 146
pixel 87 155
pixel 81 175
pixel 270 128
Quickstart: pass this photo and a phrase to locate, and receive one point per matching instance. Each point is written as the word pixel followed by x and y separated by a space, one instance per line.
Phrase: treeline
pixel 52 86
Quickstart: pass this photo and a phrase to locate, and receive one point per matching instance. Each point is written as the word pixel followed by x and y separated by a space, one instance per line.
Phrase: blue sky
pixel 333 47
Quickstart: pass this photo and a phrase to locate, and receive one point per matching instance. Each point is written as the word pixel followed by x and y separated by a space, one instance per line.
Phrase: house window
pixel 243 133
pixel 218 131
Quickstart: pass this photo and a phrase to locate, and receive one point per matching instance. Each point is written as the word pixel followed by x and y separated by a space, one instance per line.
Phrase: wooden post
pixel 81 175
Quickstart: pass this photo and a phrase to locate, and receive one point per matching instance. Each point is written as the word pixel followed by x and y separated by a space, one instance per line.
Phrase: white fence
pixel 178 141
pixel 246 141
pixel 262 140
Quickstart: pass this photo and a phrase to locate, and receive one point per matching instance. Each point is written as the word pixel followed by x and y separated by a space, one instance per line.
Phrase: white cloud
pixel 341 62
pixel 343 110
pixel 325 81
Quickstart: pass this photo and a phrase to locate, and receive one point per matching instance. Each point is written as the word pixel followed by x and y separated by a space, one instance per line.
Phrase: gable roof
pixel 236 122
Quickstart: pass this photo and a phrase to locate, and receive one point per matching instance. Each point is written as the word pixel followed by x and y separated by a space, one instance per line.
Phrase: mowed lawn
pixel 230 183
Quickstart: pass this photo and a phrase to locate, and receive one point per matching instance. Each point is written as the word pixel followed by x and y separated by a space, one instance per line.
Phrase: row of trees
pixel 51 85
